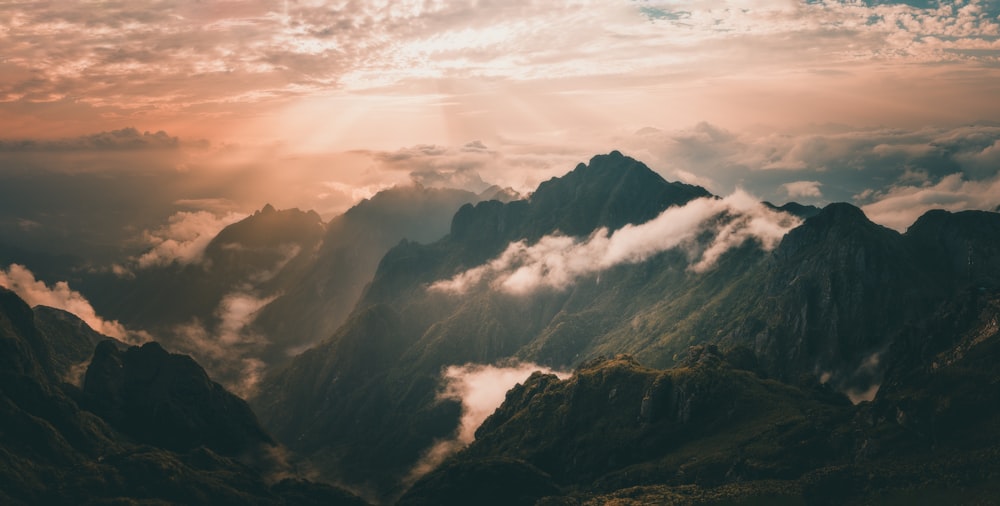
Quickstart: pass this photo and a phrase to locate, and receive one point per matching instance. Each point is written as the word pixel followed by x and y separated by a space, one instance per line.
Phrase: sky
pixel 119 120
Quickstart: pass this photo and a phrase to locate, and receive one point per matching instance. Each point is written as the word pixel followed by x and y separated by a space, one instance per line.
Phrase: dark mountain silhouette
pixel 167 400
pixel 54 452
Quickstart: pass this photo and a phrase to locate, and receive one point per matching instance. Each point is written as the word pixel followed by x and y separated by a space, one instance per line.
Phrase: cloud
pixel 229 347
pixel 229 350
pixel 839 162
pixel 184 239
pixel 557 261
pixel 130 61
pixel 899 206
pixel 481 389
pixel 474 166
pixel 36 293
pixel 442 166
pixel 126 139
pixel 803 189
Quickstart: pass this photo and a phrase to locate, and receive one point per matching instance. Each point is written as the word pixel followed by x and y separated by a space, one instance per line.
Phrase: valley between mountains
pixel 610 338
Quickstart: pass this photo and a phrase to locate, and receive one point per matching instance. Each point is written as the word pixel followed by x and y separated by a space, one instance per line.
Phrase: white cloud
pixel 803 189
pixel 36 293
pixel 184 239
pixel 557 261
pixel 236 311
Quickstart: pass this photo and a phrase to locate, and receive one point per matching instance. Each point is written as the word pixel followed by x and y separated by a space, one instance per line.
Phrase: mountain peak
pixel 834 226
pixel 270 227
pixel 842 210
pixel 613 190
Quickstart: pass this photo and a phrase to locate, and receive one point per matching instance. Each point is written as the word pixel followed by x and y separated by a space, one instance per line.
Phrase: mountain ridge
pixel 824 305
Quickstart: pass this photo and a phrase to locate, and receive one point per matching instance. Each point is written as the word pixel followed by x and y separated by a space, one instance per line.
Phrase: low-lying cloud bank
pixel 60 296
pixel 557 261
pixel 899 206
pixel 481 389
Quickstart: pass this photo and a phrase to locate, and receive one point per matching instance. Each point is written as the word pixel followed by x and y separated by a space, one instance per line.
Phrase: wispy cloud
pixel 229 350
pixel 557 261
pixel 36 293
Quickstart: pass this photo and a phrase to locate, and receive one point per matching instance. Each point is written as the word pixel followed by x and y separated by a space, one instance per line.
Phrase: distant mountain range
pixel 715 349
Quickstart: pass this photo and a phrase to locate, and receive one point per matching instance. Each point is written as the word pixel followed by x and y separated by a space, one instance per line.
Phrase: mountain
pixel 167 400
pixel 263 252
pixel 274 283
pixel 53 451
pixel 382 366
pixel 320 300
pixel 722 351
pixel 826 305
pixel 70 340
pixel 708 431
pixel 796 209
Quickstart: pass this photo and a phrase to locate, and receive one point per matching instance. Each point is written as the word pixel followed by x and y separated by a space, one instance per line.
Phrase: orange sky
pixel 322 91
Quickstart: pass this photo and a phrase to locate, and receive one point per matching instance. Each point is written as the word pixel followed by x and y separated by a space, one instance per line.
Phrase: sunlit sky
pixel 893 106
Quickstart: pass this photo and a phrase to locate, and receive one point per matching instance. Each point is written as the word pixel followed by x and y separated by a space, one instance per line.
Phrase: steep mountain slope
pixel 54 452
pixel 388 388
pixel 319 301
